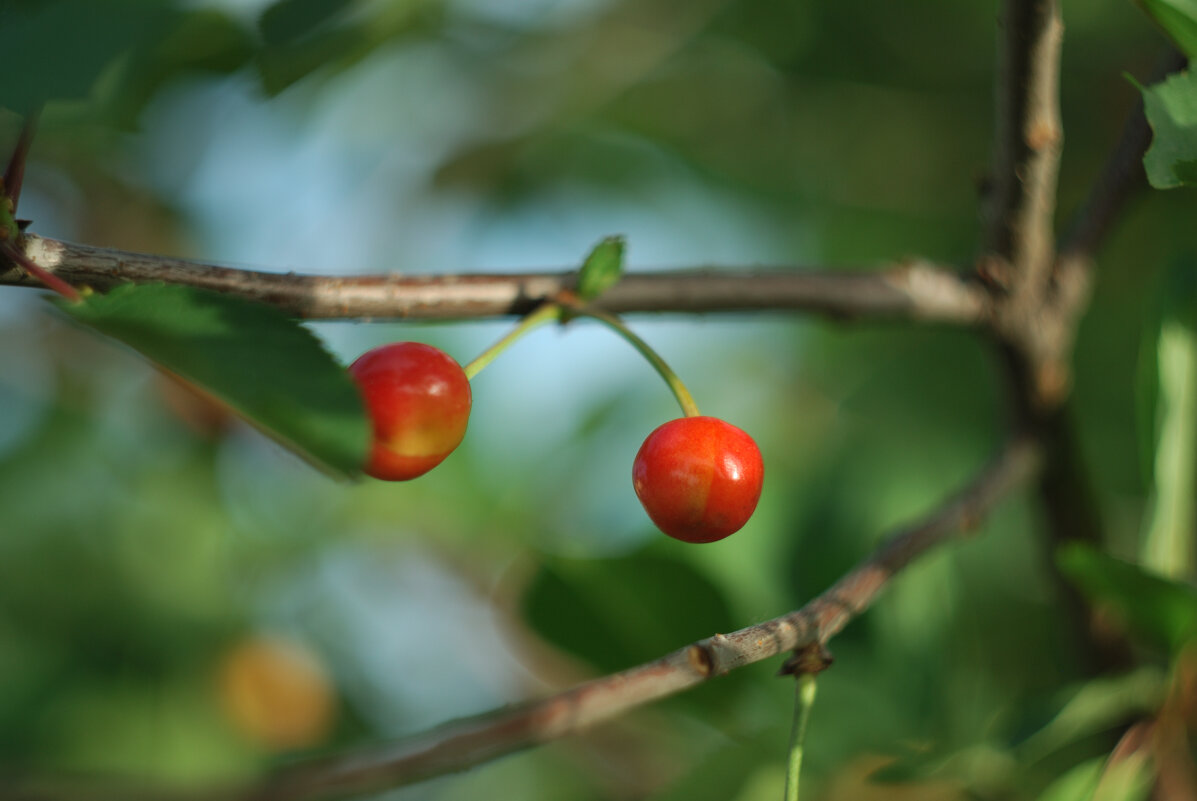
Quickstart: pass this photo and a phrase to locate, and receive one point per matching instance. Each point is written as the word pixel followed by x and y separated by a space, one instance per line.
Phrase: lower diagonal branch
pixel 462 744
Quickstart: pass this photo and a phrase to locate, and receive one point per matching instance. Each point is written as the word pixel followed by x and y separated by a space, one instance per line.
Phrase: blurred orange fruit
pixel 277 692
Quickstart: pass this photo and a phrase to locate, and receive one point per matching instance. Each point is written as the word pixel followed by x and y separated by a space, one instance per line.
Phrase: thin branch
pixel 1029 140
pixel 913 290
pixel 1035 336
pixel 1020 248
pixel 1121 178
pixel 462 744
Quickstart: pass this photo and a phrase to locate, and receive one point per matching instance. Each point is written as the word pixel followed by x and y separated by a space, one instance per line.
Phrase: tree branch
pixel 462 744
pixel 1036 321
pixel 1029 140
pixel 1122 176
pixel 1065 488
pixel 1020 249
pixel 913 290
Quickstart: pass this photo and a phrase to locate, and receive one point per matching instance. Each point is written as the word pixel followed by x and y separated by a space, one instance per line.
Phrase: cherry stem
pixel 51 281
pixel 804 699
pixel 557 311
pixel 684 398
pixel 546 313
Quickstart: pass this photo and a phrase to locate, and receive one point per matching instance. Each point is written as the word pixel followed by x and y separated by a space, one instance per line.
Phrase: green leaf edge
pixel 315 461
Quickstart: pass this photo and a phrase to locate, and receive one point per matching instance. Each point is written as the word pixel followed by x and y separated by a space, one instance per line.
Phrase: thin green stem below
pixel 544 314
pixel 684 398
pixel 804 699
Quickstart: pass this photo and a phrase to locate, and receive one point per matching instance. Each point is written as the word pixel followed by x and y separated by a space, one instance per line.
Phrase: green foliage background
pixel 137 550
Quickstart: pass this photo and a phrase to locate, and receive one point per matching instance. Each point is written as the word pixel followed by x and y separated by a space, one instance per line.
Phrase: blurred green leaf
pixel 1161 611
pixel 1169 380
pixel 306 36
pixel 1077 784
pixel 721 775
pixel 1171 108
pixel 1097 706
pixel 981 767
pixel 289 20
pixel 615 613
pixel 264 365
pixel 1178 18
pixel 167 729
pixel 1129 779
pixel 62 46
pixel 202 40
pixel 602 269
pixel 282 65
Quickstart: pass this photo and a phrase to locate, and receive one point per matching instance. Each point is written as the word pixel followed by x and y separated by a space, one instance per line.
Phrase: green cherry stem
pixel 684 398
pixel 556 311
pixel 804 699
pixel 546 313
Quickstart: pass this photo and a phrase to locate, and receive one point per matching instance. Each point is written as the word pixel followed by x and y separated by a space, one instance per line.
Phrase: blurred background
pixel 183 602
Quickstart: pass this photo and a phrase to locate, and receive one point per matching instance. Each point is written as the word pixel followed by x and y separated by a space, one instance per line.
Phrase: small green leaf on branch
pixel 602 269
pixel 1171 108
pixel 262 364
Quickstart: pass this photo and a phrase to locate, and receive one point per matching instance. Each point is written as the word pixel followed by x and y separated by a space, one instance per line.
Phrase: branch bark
pixel 912 290
pixel 1029 140
pixel 462 744
pixel 1020 247
pixel 1036 320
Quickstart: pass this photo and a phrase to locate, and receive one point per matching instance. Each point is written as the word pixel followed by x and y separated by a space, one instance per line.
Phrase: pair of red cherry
pixel 698 478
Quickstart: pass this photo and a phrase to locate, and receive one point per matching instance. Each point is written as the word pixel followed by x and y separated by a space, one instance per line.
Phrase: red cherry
pixel 418 399
pixel 698 478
